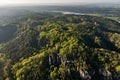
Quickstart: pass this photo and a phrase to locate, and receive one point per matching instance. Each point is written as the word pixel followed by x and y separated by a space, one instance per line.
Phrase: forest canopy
pixel 64 47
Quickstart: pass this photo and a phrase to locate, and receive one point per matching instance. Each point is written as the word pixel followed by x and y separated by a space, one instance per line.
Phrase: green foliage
pixel 118 69
pixel 59 47
pixel 34 67
pixel 5 65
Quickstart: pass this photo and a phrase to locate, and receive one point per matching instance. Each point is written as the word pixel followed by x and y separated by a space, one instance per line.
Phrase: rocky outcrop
pixel 53 60
pixel 84 74
pixel 106 74
pixel 90 74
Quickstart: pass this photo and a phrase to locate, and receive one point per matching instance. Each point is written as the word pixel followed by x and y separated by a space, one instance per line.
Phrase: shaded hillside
pixel 7 32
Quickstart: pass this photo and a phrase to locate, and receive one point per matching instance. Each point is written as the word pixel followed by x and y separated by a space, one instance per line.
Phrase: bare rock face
pixel 102 73
pixel 84 74
pixel 106 74
pixel 50 60
pixel 54 60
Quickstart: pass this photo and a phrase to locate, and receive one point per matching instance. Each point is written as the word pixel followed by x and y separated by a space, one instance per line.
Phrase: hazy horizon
pixel 11 2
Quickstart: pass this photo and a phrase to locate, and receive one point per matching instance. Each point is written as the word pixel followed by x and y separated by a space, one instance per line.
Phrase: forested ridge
pixel 61 47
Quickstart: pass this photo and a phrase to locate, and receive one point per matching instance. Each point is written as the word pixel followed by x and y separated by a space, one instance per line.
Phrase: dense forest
pixel 52 46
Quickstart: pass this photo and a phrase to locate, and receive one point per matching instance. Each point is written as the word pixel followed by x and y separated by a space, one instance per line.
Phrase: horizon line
pixel 69 3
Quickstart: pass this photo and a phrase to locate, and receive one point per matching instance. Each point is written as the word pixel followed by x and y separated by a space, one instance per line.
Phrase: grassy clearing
pixel 113 18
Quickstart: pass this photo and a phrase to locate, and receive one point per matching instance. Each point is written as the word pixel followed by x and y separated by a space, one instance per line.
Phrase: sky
pixel 4 2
